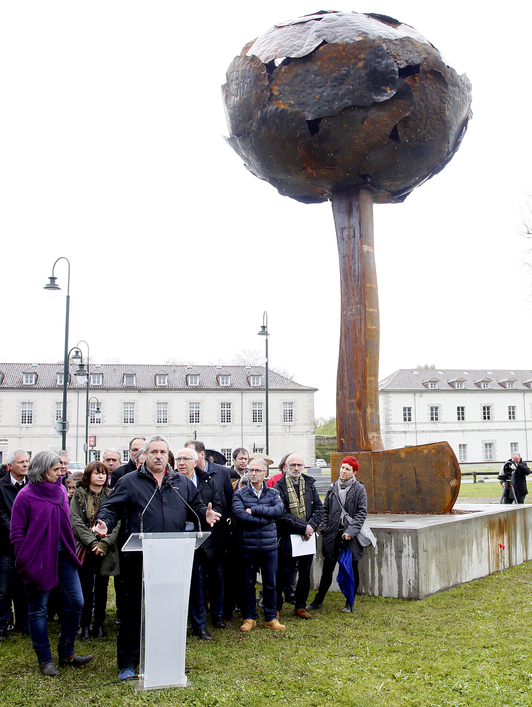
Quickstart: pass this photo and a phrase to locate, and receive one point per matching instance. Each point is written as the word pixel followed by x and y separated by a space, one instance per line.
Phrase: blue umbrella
pixel 346 578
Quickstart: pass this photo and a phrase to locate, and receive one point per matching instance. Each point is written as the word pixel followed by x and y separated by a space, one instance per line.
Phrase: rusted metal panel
pixel 423 479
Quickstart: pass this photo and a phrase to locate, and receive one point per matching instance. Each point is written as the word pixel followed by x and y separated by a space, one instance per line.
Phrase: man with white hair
pixel 152 499
pixel 11 586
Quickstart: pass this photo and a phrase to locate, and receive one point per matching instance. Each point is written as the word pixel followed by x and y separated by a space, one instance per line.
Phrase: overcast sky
pixel 112 154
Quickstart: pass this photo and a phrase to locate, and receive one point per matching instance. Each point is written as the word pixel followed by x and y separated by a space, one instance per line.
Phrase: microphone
pixel 144 511
pixel 200 532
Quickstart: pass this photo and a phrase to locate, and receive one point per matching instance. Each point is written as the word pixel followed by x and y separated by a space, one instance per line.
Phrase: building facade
pixel 224 406
pixel 485 415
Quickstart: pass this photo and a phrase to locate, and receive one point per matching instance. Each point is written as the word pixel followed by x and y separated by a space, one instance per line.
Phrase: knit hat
pixel 351 461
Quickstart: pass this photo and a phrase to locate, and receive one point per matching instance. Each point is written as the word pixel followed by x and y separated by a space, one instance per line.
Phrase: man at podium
pixel 153 499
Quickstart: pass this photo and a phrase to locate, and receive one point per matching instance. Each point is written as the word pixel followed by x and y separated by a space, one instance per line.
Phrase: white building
pixel 224 406
pixel 485 415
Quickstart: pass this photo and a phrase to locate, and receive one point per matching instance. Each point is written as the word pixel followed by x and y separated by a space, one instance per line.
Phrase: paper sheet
pixel 303 547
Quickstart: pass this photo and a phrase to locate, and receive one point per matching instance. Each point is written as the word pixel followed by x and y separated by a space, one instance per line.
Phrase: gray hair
pixel 11 456
pixel 191 450
pixel 40 464
pixel 115 451
pixel 154 438
pixel 262 461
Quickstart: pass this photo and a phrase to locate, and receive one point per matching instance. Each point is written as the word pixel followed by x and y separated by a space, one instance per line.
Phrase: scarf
pixel 296 504
pixel 343 488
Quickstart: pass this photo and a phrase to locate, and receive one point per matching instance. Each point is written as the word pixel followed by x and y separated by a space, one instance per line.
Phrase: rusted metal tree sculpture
pixel 354 108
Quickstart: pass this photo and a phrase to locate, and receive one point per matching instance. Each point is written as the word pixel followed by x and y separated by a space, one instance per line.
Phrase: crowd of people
pixel 61 538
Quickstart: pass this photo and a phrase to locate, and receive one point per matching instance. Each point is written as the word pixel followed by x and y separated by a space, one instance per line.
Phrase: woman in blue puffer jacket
pixel 255 510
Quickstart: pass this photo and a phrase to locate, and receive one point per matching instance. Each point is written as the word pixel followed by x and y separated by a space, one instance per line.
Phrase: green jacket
pixel 83 499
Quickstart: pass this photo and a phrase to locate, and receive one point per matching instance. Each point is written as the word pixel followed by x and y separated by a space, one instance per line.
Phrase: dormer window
pixel 29 378
pixel 193 380
pixel 224 380
pixel 255 381
pixel 1 378
pixel 96 378
pixel 129 380
pixel 433 385
pixel 508 383
pixel 60 378
pixel 161 380
pixel 460 385
pixel 485 385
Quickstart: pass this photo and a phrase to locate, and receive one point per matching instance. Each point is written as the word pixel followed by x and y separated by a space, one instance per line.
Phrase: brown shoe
pixel 275 625
pixel 248 625
pixel 302 613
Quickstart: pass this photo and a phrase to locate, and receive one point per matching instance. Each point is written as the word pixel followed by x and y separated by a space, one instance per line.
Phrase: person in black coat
pixel 153 499
pixel 186 460
pixel 514 473
pixel 344 512
pixel 255 509
pixel 136 444
pixel 303 511
pixel 11 586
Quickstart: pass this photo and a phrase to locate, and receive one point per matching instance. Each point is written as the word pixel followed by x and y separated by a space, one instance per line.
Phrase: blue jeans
pixel 11 588
pixel 267 562
pixel 70 588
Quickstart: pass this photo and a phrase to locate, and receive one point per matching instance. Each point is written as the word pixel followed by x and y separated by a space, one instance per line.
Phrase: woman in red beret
pixel 345 510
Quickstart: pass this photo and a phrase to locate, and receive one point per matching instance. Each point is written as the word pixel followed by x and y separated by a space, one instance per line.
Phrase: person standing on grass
pixel 344 511
pixel 255 509
pixel 45 557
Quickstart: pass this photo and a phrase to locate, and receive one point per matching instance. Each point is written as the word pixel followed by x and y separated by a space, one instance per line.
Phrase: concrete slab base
pixel 420 555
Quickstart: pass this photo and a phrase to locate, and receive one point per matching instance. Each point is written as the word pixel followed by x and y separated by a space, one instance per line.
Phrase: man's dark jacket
pixel 222 478
pixel 520 473
pixel 290 525
pixel 8 494
pixel 257 532
pixel 209 494
pixel 121 471
pixel 165 510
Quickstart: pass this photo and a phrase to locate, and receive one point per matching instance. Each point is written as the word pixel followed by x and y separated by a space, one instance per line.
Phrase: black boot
pixel 85 633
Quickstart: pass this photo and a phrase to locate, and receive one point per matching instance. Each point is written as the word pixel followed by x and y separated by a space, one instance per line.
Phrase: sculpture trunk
pixel 357 402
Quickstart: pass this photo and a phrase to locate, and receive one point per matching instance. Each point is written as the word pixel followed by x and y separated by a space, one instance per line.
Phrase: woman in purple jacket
pixel 45 557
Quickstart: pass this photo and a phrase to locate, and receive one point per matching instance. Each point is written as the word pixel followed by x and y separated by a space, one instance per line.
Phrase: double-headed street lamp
pixel 264 332
pixel 53 286
pixel 83 376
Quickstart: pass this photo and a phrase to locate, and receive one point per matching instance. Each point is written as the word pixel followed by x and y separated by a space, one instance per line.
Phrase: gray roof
pixel 11 376
pixel 407 379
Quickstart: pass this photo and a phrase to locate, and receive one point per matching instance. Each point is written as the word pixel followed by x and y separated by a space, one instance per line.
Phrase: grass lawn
pixel 467 646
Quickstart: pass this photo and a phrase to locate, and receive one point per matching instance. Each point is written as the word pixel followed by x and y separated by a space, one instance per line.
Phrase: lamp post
pixel 264 332
pixel 53 286
pixel 82 374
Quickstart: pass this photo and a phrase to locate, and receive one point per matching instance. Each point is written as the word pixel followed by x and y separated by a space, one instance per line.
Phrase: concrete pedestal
pixel 419 555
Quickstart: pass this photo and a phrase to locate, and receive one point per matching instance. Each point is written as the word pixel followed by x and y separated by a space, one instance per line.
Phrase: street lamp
pixel 264 332
pixel 53 286
pixel 82 374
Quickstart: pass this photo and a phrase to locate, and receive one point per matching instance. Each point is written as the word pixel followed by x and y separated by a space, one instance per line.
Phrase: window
pixel 225 413
pixel 29 378
pixel 162 413
pixel 258 450
pixel 193 380
pixel 256 413
pixel 129 380
pixel 129 413
pixel 459 384
pixel 227 451
pixel 224 380
pixel 485 385
pixel 514 448
pixel 59 411
pixel 434 413
pixel 511 412
pixel 407 414
pixel 255 381
pixel 95 414
pixel 60 378
pixel 95 455
pixel 433 385
pixel 26 414
pixel 288 412
pixel 462 452
pixel 486 412
pixel 488 451
pixel 460 413
pixel 161 380
pixel 194 413
pixel 125 455
pixel 96 378
pixel 510 384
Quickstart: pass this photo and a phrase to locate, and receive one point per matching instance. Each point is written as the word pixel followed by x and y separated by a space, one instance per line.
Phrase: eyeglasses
pixel 185 459
pixel 256 471
pixel 296 466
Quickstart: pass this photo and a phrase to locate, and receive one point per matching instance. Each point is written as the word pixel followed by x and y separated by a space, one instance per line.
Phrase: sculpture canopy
pixel 337 100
